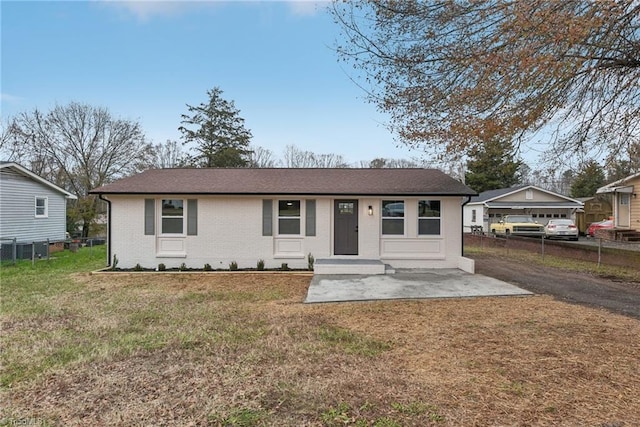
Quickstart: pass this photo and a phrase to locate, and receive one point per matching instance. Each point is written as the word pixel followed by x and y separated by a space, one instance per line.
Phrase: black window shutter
pixel 267 218
pixel 192 217
pixel 149 217
pixel 310 218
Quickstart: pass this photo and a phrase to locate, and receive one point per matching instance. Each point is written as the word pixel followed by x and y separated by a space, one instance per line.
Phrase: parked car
pixel 517 225
pixel 591 230
pixel 393 209
pixel 561 229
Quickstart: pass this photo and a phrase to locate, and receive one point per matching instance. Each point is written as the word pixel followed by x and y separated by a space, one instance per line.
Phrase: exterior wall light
pixel 370 211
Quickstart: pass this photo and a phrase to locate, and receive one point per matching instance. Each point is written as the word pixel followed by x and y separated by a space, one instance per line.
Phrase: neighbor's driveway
pixel 582 288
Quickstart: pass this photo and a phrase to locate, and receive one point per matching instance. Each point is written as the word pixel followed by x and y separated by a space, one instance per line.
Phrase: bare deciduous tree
pixel 454 74
pixel 168 155
pixel 79 147
pixel 296 158
pixel 381 162
pixel 261 157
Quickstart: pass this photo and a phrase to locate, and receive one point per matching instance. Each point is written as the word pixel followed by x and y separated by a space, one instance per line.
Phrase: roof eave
pixel 359 194
pixel 38 178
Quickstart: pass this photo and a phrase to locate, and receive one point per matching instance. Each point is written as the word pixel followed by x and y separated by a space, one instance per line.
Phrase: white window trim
pixel 299 218
pixel 184 218
pixel 422 236
pixel 46 207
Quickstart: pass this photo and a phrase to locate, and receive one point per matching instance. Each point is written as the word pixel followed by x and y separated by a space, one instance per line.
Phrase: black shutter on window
pixel 192 217
pixel 310 218
pixel 149 217
pixel 267 218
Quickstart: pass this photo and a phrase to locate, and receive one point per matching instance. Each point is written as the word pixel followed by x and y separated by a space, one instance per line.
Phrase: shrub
pixel 207 267
pixel 162 267
pixel 284 266
pixel 260 265
pixel 233 266
pixel 138 267
pixel 115 262
pixel 183 267
pixel 310 261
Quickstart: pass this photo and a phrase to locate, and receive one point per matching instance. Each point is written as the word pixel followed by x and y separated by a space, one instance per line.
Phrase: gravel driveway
pixel 581 288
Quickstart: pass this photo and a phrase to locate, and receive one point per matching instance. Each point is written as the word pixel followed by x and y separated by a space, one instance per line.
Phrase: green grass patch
pixel 351 342
pixel 240 417
pixel 26 287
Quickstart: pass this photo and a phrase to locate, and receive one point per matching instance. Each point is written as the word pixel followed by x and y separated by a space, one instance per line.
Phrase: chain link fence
pixel 596 250
pixel 12 250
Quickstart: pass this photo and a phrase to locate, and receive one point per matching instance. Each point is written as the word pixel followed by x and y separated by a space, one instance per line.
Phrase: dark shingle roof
pixel 491 194
pixel 289 181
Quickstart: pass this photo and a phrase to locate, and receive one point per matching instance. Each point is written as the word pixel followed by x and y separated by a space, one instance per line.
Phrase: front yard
pixel 242 350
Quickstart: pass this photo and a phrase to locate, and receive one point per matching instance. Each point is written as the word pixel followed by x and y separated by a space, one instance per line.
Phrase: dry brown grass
pixel 241 349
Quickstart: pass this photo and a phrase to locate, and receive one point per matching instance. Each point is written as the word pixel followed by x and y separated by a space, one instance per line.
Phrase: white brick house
pixel 406 218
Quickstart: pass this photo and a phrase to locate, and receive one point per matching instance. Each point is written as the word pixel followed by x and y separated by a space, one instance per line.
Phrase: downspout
pixel 462 225
pixel 108 229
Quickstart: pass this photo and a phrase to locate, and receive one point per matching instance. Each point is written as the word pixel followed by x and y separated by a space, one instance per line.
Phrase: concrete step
pixel 348 266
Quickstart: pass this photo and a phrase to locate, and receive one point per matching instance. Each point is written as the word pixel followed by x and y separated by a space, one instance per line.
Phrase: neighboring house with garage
pixel 490 206
pixel 626 205
pixel 349 220
pixel 32 209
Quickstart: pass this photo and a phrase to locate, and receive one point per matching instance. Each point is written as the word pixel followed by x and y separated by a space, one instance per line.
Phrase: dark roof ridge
pixel 320 181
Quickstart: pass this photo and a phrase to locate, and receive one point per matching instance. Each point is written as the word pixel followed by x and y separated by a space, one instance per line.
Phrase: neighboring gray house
pixel 31 208
pixel 490 206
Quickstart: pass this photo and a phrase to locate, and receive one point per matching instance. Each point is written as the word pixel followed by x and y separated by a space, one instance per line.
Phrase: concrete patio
pixel 407 284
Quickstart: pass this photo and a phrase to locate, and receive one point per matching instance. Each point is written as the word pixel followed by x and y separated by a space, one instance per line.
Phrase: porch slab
pixel 342 266
pixel 407 284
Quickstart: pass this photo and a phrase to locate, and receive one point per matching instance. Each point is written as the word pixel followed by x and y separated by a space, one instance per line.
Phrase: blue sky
pixel 146 60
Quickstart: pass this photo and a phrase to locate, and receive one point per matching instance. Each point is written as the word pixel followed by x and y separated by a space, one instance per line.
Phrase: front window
pixel 172 216
pixel 393 217
pixel 289 217
pixel 41 207
pixel 429 217
pixel 624 199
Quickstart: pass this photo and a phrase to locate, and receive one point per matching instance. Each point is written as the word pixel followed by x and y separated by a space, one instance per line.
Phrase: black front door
pixel 345 227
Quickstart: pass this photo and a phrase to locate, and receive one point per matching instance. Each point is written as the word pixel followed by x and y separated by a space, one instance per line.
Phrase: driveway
pixel 618 296
pixel 407 284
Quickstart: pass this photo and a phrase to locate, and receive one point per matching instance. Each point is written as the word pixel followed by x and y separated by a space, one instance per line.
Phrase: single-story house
pixel 490 206
pixel 406 218
pixel 32 209
pixel 626 204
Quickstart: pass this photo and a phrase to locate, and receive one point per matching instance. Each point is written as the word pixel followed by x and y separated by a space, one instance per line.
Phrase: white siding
pixel 230 229
pixel 17 209
pixel 468 217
